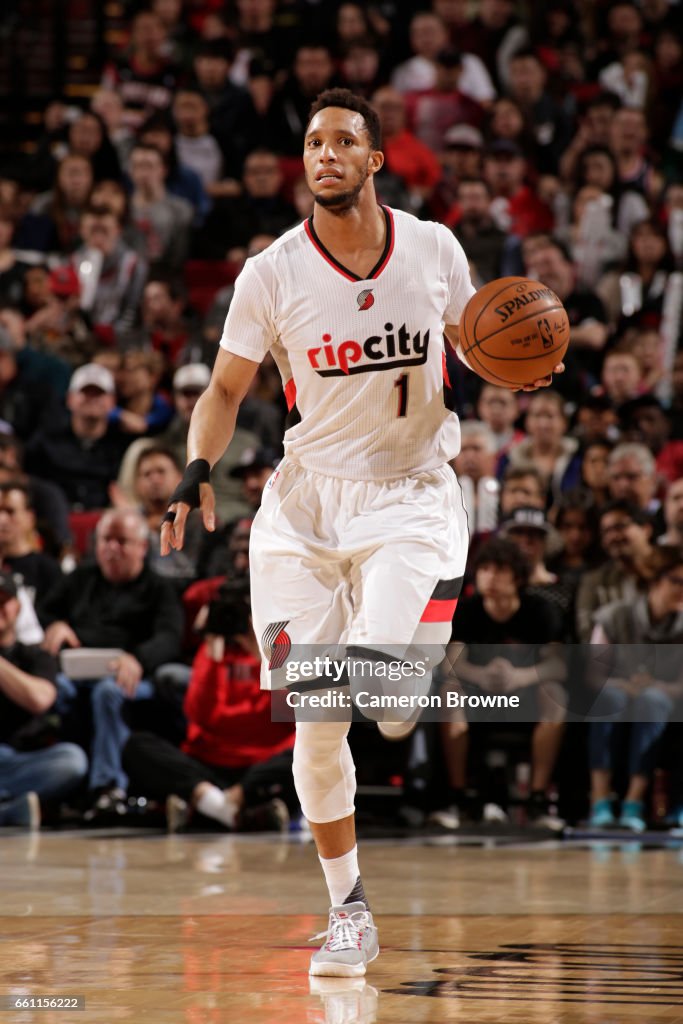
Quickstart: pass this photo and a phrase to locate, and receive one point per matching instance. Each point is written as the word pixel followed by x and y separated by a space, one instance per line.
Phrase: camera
pixel 230 612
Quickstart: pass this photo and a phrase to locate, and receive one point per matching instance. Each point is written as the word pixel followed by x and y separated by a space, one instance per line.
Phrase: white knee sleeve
pixel 324 772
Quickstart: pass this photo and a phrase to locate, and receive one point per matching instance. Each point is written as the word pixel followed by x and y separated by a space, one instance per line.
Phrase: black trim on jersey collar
pixel 381 262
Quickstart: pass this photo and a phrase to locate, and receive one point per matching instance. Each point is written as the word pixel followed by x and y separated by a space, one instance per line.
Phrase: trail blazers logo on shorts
pixel 365 299
pixel 276 644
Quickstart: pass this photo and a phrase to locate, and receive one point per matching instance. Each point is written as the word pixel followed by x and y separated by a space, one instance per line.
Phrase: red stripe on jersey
pixel 290 394
pixel 444 370
pixel 439 611
pixel 335 266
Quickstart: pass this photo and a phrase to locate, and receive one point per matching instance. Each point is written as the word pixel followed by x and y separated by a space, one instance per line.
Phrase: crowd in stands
pixel 549 138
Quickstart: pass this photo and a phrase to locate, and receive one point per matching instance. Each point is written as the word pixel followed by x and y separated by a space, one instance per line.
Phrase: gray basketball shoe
pixel 351 943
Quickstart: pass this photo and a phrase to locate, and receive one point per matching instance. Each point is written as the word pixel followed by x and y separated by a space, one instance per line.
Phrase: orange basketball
pixel 514 331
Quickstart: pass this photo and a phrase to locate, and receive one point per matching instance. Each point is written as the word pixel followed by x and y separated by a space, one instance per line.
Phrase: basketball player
pixel 361 538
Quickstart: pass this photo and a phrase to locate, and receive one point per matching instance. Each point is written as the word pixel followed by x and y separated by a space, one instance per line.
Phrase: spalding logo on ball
pixel 514 331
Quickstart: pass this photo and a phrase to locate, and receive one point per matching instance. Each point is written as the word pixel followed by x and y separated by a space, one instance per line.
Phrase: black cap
pixel 7 585
pixel 255 458
pixel 503 147
pixel 526 518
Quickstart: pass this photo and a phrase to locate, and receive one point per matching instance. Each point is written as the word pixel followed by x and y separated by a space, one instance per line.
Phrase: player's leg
pixel 405 587
pixel 300 605
pixel 325 780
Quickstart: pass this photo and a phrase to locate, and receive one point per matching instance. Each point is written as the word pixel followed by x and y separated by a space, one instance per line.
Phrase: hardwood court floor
pixel 213 930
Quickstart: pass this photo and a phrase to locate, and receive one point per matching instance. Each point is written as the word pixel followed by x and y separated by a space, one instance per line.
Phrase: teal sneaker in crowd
pixel 632 816
pixel 602 815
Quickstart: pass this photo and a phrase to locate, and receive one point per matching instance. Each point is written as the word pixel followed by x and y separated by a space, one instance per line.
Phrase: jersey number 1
pixel 402 385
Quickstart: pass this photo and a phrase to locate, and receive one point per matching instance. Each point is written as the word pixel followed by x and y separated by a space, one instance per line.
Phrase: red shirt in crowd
pixel 229 715
pixel 411 161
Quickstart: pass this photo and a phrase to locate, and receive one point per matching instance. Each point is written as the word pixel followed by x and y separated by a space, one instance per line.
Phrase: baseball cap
pixel 92 375
pixel 255 458
pixel 464 135
pixel 504 147
pixel 194 375
pixel 7 585
pixel 526 518
pixel 64 282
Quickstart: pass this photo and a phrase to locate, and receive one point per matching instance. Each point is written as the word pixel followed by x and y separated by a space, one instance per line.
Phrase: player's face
pixel 338 159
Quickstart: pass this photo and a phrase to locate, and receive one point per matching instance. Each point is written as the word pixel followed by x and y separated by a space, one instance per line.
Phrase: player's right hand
pixel 173 530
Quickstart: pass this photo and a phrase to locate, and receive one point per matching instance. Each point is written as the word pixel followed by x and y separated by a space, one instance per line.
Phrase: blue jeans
pixel 109 731
pixel 51 773
pixel 649 713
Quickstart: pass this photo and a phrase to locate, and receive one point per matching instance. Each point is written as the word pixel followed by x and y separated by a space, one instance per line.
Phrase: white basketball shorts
pixel 357 563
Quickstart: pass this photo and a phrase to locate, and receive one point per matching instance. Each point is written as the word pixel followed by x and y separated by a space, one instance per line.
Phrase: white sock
pixel 216 804
pixel 341 875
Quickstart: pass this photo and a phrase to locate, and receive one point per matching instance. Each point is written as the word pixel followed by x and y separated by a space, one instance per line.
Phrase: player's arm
pixel 452 335
pixel 211 429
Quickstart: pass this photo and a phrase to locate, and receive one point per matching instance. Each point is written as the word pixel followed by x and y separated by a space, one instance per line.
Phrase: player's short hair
pixel 348 100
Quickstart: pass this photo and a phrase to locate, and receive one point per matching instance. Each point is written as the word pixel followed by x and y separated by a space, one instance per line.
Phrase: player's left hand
pixel 544 382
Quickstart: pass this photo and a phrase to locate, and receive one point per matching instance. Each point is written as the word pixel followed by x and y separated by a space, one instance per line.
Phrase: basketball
pixel 514 331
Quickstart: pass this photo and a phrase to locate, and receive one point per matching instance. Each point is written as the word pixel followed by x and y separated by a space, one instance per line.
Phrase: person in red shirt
pixel 431 112
pixel 515 207
pixel 404 154
pixel 235 763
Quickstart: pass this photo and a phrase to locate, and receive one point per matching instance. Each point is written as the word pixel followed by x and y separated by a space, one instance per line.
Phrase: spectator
pixel 189 383
pixel 460 159
pixel 12 269
pixel 428 38
pixel 20 553
pixel 547 446
pixel 476 230
pixel 232 117
pixel 628 78
pixel 111 275
pixel 404 154
pixel 575 521
pixel 625 536
pixel 594 478
pixel 620 375
pixel 117 602
pixel 516 208
pixel 498 409
pixel 592 242
pixel 628 141
pixel 647 290
pixel 48 501
pixel 507 123
pixel 648 348
pixel 27 405
pixel 645 420
pixel 163 220
pixel 255 468
pixel 527 81
pixel 235 762
pixel 474 467
pixel 508 635
pixel 145 78
pixel 522 485
pixel 360 67
pixel 632 476
pixel 181 182
pixel 157 474
pixel 673 515
pixel 195 145
pixel 54 221
pixel 141 408
pixel 165 329
pixel 260 209
pixel 87 136
pixel 82 456
pixel 550 264
pixel 598 168
pixel 530 531
pixel 312 72
pixel 640 685
pixel 29 774
pixel 494 34
pixel 595 419
pixel 108 106
pixel 593 129
pixel 431 112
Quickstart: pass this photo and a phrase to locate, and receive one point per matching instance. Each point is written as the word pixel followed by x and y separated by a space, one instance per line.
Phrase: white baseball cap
pixel 92 375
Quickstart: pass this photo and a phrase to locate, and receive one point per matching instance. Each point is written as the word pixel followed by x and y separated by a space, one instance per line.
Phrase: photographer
pixel 234 763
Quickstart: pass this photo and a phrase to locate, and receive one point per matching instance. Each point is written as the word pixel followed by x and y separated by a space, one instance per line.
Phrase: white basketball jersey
pixel 363 359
